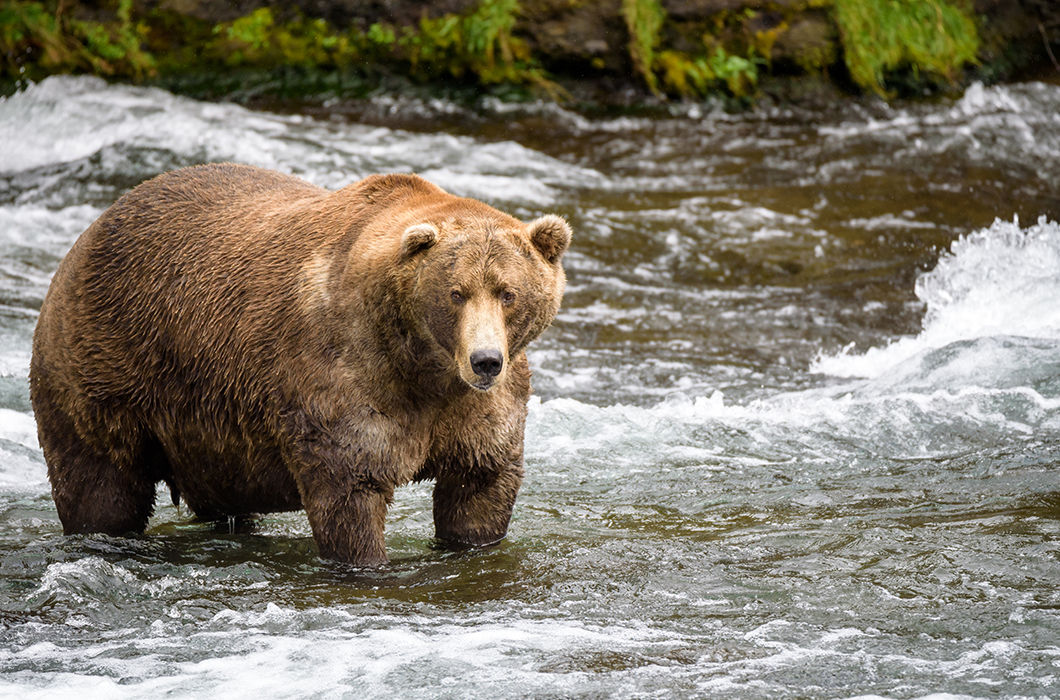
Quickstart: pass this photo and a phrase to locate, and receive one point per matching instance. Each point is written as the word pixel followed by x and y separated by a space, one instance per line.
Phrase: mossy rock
pixel 809 42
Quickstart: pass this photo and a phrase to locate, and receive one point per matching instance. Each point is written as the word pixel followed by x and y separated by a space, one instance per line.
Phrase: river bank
pixel 608 52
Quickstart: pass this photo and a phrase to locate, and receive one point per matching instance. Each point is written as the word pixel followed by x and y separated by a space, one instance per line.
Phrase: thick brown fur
pixel 261 344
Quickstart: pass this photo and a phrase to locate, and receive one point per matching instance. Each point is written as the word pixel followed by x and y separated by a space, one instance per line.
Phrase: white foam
pixel 21 463
pixel 22 471
pixel 18 427
pixel 387 657
pixel 906 220
pixel 492 187
pixel 85 581
pixel 1018 123
pixel 911 415
pixel 978 99
pixel 63 119
pixel 1000 281
pixel 39 226
pixel 26 231
pixel 15 363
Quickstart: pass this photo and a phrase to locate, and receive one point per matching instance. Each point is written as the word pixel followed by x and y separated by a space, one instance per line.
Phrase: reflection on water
pixel 796 434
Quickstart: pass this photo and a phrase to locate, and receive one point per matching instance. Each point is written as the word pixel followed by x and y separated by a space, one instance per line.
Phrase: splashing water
pixel 996 282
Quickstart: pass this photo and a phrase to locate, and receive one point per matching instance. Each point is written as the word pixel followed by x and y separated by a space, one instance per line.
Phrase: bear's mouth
pixel 483 384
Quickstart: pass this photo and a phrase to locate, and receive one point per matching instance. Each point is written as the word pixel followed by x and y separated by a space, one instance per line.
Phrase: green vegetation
pixel 685 74
pixel 257 40
pixel 924 36
pixel 479 46
pixel 884 43
pixel 644 19
pixel 36 41
pixel 700 75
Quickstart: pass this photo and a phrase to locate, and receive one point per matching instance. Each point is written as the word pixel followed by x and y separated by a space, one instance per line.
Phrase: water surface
pixel 796 431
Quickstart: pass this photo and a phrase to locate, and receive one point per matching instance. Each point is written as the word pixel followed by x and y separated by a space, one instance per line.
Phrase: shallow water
pixel 796 432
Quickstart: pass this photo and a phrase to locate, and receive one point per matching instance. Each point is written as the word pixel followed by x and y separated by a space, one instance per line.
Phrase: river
pixel 796 430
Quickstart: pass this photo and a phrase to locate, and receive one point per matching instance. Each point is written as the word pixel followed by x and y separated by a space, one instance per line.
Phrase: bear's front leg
pixel 348 523
pixel 345 486
pixel 473 504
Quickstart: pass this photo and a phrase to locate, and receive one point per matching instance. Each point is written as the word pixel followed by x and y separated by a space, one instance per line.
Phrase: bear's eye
pixel 508 298
pixel 457 297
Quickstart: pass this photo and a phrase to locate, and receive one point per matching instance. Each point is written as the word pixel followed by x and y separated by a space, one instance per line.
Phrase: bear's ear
pixel 550 235
pixel 418 237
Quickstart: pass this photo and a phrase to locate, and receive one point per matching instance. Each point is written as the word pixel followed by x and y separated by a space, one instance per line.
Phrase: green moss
pixel 30 37
pixel 257 40
pixel 699 75
pixel 933 37
pixel 478 46
pixel 816 58
pixel 381 35
pixel 253 32
pixel 644 19
pixel 37 39
pixel 739 73
pixel 714 67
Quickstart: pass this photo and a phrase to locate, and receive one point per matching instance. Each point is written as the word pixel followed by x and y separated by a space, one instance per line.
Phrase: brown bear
pixel 261 344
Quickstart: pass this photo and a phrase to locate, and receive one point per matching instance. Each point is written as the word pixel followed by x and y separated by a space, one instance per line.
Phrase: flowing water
pixel 796 430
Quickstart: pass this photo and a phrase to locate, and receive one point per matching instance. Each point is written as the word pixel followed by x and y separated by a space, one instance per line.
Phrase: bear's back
pixel 182 281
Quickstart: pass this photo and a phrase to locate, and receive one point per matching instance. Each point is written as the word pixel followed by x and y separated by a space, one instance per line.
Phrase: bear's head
pixel 479 285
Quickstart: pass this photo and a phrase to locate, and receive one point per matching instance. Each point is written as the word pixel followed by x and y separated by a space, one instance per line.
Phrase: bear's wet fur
pixel 262 344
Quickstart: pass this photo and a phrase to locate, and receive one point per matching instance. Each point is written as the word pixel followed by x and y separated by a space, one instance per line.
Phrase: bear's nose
pixel 487 363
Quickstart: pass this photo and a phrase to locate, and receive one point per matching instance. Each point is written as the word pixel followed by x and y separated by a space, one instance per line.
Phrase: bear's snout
pixel 482 348
pixel 487 363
